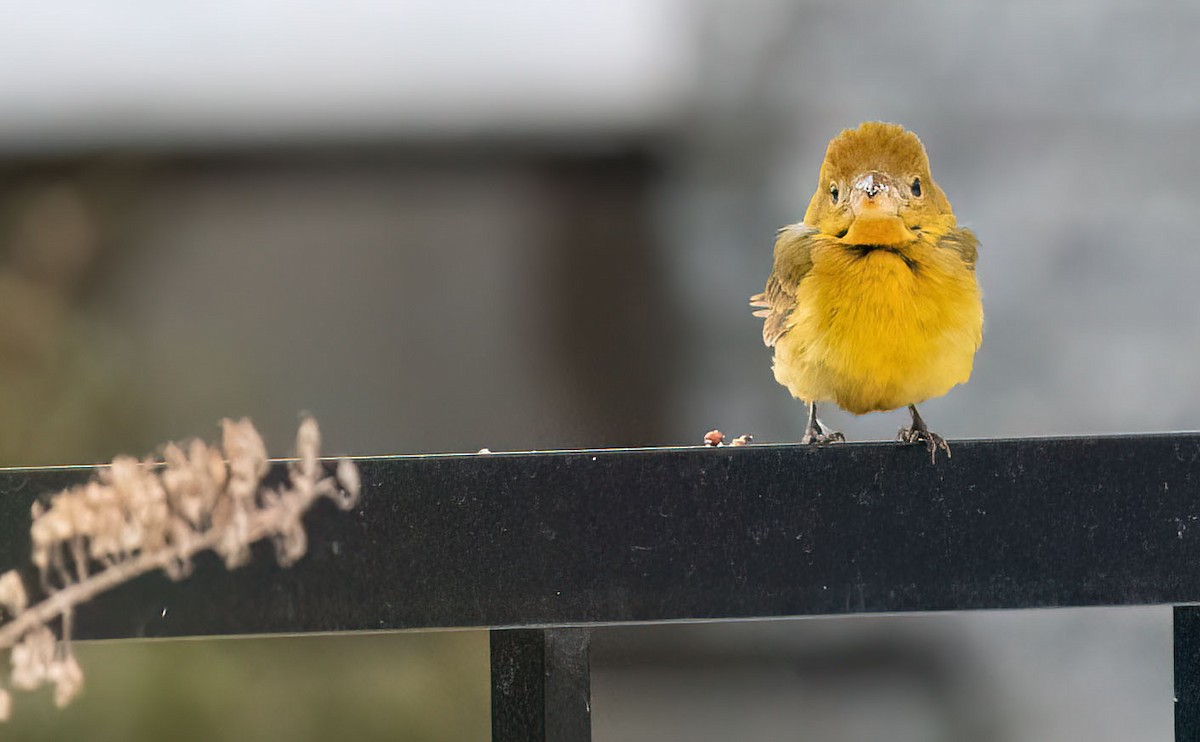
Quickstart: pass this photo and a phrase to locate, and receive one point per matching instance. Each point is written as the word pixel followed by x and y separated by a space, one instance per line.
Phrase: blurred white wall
pixel 77 74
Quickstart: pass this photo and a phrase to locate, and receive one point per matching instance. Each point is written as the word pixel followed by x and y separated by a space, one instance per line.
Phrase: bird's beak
pixel 874 195
pixel 875 201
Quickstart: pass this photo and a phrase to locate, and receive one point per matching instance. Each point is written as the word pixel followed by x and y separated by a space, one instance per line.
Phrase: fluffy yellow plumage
pixel 872 302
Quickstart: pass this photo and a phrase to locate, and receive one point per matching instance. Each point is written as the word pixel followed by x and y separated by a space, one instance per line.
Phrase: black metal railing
pixel 540 546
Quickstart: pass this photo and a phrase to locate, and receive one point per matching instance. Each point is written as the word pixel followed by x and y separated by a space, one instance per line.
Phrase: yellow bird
pixel 872 302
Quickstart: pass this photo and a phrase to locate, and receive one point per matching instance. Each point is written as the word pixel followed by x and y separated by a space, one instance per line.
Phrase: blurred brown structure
pixel 447 299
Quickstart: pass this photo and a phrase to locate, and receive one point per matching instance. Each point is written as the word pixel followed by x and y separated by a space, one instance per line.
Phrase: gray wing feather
pixel 793 260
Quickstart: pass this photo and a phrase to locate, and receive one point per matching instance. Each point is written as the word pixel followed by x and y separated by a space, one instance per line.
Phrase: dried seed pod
pixel 351 482
pixel 67 676
pixel 31 658
pixel 12 592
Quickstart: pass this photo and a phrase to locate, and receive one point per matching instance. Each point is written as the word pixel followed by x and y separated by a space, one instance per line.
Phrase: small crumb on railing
pixel 715 438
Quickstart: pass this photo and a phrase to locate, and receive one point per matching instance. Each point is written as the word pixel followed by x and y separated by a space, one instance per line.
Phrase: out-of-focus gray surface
pixel 1063 134
pixel 1032 676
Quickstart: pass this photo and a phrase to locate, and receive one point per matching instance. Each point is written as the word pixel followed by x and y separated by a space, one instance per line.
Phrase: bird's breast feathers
pixel 879 327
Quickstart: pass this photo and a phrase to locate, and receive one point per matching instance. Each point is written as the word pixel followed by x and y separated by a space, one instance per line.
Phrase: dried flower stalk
pixel 139 516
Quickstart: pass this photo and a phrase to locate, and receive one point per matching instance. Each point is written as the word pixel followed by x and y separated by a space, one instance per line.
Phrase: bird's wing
pixel 793 260
pixel 963 242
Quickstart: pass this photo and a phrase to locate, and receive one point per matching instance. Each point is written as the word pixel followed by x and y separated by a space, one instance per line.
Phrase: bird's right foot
pixel 819 435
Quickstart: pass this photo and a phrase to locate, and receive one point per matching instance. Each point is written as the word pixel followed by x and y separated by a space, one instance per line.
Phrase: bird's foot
pixel 818 435
pixel 923 435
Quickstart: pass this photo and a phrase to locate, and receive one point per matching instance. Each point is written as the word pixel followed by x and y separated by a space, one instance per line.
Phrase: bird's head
pixel 875 189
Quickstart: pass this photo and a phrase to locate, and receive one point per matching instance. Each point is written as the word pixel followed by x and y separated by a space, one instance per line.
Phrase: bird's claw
pixel 819 437
pixel 931 440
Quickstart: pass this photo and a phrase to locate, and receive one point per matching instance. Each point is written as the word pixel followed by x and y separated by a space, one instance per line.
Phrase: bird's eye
pixel 833 192
pixel 916 187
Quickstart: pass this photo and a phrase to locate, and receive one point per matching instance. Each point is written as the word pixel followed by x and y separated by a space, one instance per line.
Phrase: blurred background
pixel 440 226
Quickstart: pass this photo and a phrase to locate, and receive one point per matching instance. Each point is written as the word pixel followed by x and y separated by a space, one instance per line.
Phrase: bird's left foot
pixel 923 435
pixel 918 432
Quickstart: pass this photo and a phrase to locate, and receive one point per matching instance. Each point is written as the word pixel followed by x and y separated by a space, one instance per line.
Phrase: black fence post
pixel 541 685
pixel 1187 673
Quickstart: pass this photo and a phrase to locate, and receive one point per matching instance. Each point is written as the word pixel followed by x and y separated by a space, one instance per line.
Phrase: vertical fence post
pixel 541 685
pixel 1187 673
